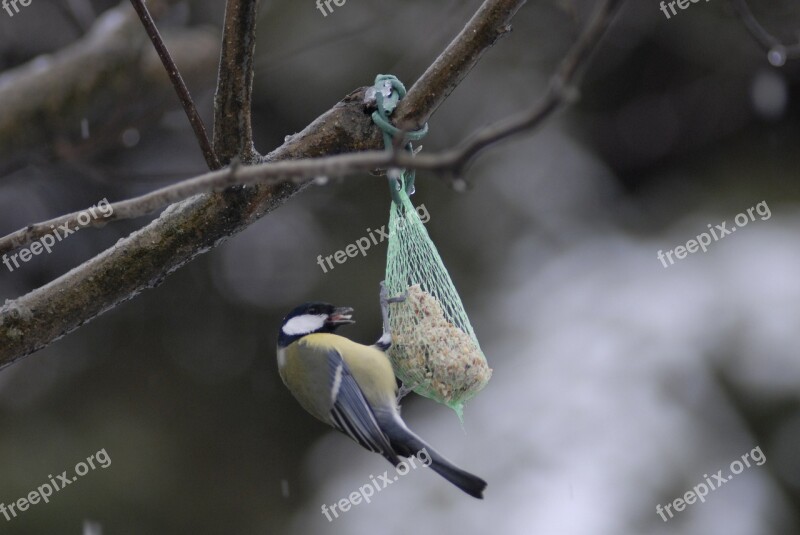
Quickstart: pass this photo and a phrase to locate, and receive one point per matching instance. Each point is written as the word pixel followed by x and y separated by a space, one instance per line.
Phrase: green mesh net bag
pixel 434 349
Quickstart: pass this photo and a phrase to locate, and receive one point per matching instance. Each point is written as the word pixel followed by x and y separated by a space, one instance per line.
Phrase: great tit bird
pixel 352 387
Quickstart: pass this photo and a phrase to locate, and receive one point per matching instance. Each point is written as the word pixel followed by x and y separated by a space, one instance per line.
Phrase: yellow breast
pixel 369 366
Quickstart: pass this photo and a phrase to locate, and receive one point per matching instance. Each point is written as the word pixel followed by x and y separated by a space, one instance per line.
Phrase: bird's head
pixel 311 318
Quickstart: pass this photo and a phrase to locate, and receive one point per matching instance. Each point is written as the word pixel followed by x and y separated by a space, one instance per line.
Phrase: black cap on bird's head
pixel 315 317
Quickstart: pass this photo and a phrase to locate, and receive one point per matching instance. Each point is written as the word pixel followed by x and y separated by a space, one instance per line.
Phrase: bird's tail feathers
pixel 469 483
pixel 408 444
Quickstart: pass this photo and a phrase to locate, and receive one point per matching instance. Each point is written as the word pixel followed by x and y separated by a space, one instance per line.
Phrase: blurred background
pixel 618 384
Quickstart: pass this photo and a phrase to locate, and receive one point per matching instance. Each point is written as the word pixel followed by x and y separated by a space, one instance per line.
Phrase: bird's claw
pixel 385 301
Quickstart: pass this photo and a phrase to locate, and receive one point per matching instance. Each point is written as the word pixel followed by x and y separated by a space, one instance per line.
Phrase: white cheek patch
pixel 307 323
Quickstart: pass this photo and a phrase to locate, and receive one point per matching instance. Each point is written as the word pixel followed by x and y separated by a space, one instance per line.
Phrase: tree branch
pixel 233 135
pixel 450 163
pixel 489 23
pixel 193 226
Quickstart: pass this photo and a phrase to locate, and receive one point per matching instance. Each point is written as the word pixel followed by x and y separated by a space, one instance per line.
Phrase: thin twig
pixel 559 91
pixel 768 42
pixel 272 173
pixel 177 81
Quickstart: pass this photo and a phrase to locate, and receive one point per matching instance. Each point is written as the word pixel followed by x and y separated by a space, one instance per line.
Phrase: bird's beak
pixel 341 316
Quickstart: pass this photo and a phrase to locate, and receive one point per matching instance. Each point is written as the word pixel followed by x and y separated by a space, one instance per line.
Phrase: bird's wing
pixel 351 414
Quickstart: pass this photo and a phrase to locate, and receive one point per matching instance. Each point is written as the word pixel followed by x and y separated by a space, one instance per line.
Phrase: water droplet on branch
pixel 777 56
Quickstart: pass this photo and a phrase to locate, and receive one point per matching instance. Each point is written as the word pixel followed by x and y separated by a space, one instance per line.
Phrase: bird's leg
pixel 403 391
pixel 385 301
pixel 385 340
